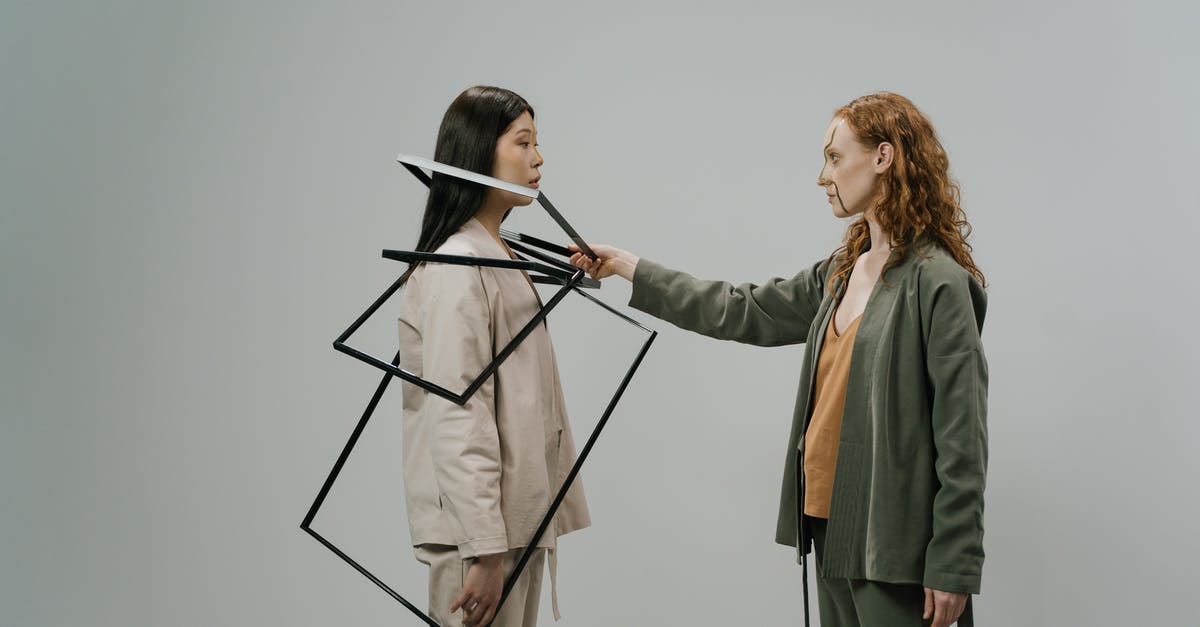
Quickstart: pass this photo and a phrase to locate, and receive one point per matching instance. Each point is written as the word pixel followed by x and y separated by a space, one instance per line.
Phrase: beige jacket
pixel 482 475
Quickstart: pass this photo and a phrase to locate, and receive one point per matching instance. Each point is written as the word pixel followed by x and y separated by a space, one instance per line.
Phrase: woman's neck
pixel 881 243
pixel 491 217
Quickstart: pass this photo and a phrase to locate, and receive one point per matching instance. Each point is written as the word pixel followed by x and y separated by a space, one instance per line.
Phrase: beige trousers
pixel 448 572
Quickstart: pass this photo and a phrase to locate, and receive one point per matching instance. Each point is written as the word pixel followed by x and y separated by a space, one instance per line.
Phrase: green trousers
pixel 862 603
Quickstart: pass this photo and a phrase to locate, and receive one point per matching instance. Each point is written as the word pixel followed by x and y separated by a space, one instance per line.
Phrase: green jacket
pixel 907 501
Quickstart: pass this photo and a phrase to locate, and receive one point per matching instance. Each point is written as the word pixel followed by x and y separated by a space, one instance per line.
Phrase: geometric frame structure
pixel 557 272
pixel 551 271
pixel 584 453
pixel 457 397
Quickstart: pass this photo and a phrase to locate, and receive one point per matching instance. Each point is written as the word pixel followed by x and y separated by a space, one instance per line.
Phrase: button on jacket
pixel 482 475
pixel 907 504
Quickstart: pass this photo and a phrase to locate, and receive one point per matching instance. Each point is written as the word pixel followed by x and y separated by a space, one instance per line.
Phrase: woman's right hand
pixel 610 260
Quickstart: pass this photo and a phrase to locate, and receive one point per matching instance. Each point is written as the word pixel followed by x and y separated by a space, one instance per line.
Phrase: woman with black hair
pixel 479 477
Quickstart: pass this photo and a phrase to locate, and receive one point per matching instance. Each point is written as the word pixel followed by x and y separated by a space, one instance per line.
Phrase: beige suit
pixel 482 475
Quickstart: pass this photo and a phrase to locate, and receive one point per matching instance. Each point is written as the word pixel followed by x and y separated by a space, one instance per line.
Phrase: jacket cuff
pixel 952 582
pixel 483 546
pixel 644 296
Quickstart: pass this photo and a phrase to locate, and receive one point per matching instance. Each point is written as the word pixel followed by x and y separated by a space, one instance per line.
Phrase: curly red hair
pixel 917 198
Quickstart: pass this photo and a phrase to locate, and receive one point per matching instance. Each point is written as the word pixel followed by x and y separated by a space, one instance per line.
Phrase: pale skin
pixel 852 179
pixel 517 161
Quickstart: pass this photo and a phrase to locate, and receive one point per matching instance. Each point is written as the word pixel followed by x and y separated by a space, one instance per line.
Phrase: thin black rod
pixel 411 256
pixel 804 585
pixel 306 524
pixel 802 541
pixel 583 455
pixel 525 331
pixel 418 172
pixel 539 243
pixel 366 573
pixel 457 398
pixel 341 460
pixel 369 312
pixel 396 371
pixel 587 282
pixel 566 226
pixel 559 263
pixel 614 311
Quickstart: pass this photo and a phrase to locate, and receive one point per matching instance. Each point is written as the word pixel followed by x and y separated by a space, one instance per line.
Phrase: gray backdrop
pixel 194 200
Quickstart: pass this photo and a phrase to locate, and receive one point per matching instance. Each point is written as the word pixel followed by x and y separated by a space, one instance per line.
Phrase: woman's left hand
pixel 943 607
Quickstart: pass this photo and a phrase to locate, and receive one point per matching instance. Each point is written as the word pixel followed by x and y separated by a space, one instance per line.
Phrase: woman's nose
pixel 539 161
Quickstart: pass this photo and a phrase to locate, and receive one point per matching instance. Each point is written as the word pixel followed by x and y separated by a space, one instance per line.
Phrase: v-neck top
pixel 511 255
pixel 912 452
pixel 825 427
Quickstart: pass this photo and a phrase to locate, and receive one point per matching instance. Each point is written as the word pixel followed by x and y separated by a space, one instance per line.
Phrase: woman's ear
pixel 884 154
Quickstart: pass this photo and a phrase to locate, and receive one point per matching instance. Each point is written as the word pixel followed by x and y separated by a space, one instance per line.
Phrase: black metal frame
pixel 458 398
pixel 306 525
pixel 414 165
pixel 553 271
pixel 556 272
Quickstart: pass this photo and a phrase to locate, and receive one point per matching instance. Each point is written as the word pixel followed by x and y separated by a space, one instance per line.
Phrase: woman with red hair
pixel 887 456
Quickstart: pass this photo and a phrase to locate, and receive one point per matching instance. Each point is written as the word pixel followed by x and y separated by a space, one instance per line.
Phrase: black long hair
pixel 467 139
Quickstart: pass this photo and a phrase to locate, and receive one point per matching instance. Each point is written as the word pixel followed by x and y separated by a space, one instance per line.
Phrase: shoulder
pixel 826 265
pixel 943 285
pixel 822 269
pixel 933 265
pixel 460 243
pixel 452 279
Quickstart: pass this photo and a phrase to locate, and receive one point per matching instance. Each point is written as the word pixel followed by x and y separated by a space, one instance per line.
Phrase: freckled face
pixel 849 175
pixel 517 160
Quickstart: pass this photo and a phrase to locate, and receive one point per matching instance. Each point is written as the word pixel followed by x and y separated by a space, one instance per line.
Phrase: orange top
pixel 825 426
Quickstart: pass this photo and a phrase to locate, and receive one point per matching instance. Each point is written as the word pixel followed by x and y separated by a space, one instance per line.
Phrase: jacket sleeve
pixel 778 312
pixel 457 346
pixel 953 306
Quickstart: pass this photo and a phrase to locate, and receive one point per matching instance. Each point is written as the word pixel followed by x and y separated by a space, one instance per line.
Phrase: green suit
pixel 907 501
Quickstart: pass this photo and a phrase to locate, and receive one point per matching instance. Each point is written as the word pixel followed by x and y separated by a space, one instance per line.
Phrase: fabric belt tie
pixel 554 582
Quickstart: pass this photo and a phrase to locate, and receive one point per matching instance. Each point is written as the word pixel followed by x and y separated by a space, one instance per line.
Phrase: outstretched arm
pixel 777 312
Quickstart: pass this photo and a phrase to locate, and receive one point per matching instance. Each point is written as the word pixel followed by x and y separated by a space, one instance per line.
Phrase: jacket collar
pixel 478 235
